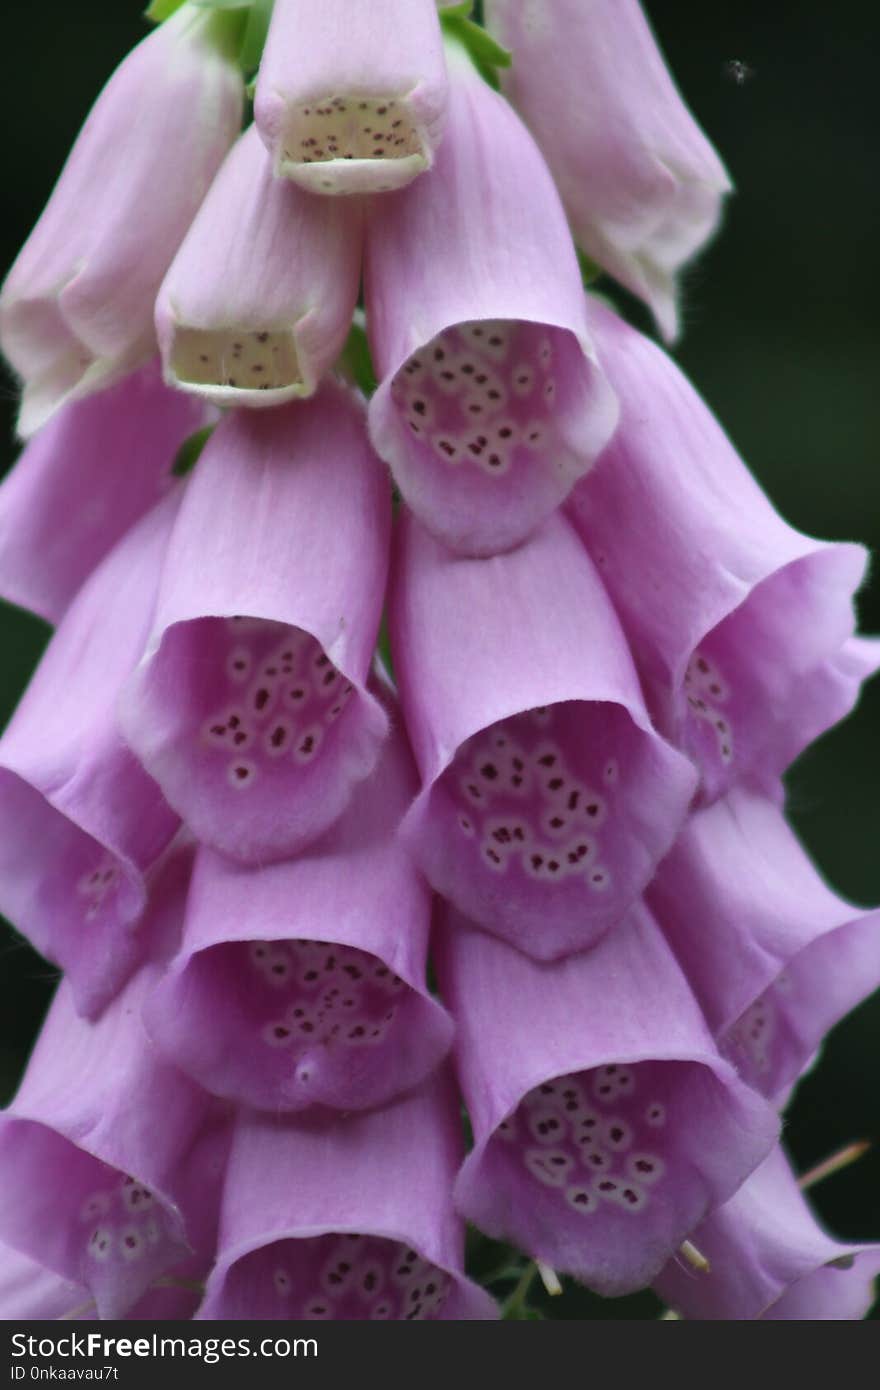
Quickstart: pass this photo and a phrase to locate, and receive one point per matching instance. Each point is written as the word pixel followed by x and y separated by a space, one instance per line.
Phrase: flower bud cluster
pixel 421 747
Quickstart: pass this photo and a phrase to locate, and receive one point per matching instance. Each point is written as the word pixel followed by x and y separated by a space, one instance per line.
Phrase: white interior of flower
pixel 238 359
pixel 336 130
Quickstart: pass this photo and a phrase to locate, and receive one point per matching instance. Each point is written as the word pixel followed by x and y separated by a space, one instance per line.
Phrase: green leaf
pixel 190 450
pixel 384 646
pixel 486 55
pixel 223 4
pixel 255 33
pixel 160 10
pixel 456 11
pixel 355 359
pixel 590 271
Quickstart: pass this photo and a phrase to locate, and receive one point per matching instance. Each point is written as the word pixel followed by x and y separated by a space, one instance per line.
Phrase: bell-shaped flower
pixel 491 403
pixel 259 299
pixel 768 1258
pixel 111 1159
pixel 733 616
pixel 352 98
pixel 250 707
pixel 773 955
pixel 76 310
pixel 346 1218
pixel 606 1125
pixel 547 798
pixel 304 982
pixel 88 476
pixel 80 820
pixel 642 185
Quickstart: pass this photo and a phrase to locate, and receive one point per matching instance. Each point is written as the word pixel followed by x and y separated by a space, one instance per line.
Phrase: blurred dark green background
pixel 781 320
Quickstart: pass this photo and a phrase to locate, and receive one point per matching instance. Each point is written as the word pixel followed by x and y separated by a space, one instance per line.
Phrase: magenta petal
pixel 731 613
pixel 80 821
pixel 82 482
pixel 259 299
pixel 304 983
pixel 491 403
pixel 547 798
pixel 352 98
pixel 29 1290
pixel 642 185
pixel 110 1158
pixel 346 1219
pixel 76 310
pixel 770 1259
pixel 774 956
pixel 605 1124
pixel 250 707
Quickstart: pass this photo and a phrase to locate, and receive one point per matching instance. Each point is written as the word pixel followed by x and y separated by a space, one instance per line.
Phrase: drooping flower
pixel 80 820
pixel 773 955
pixel 110 1159
pixel 491 403
pixel 547 798
pixel 642 185
pixel 738 622
pixel 88 476
pixel 352 98
pixel 304 983
pixel 250 706
pixel 366 1230
pixel 605 1123
pixel 76 311
pixel 770 1259
pixel 259 299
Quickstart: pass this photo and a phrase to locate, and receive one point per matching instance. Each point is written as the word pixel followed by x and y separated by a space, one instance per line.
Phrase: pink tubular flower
pixel 258 301
pixel 491 403
pixel 347 1218
pixel 110 1160
pixel 769 1259
pixel 304 982
pixel 352 98
pixel 641 183
pixel 80 821
pixel 774 957
pixel 76 311
pixel 82 482
pixel 547 798
pixel 605 1124
pixel 250 707
pixel 738 621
